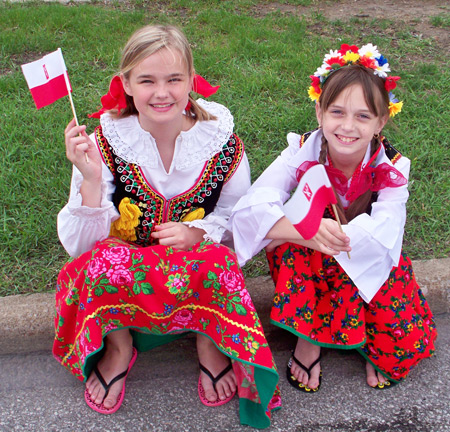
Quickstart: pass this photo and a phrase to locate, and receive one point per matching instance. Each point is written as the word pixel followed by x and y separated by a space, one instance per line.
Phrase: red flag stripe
pixel 49 92
pixel 309 225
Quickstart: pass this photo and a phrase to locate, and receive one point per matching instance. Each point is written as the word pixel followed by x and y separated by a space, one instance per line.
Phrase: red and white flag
pixel 47 78
pixel 305 208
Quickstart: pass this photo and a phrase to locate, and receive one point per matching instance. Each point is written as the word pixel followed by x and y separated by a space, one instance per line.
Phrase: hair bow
pixel 114 99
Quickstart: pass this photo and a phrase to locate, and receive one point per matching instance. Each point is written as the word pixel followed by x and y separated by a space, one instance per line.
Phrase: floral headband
pixel 367 56
pixel 115 98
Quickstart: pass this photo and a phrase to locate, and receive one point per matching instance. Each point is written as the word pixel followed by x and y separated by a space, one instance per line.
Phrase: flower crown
pixel 367 56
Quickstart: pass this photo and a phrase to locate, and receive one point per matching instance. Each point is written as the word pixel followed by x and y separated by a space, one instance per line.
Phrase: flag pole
pixel 339 223
pixel 69 91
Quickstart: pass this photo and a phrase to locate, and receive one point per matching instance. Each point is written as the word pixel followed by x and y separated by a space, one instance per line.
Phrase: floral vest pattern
pixel 155 208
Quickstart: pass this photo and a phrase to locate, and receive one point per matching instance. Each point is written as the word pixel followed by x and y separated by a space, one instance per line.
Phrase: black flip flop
pixel 297 384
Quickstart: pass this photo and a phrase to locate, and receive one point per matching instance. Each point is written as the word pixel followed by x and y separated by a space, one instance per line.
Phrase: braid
pixel 362 203
pixel 322 159
pixel 323 150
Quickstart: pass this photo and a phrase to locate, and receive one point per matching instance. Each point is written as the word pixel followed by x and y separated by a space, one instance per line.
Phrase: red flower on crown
pixel 391 82
pixel 347 47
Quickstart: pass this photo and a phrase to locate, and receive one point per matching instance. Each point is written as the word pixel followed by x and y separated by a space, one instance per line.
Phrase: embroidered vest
pixel 391 152
pixel 156 209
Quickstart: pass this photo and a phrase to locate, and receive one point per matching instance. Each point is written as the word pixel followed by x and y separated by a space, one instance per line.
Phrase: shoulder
pixel 391 152
pixel 208 137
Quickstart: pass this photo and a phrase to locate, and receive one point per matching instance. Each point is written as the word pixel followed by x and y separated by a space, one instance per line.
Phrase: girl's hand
pixel 329 239
pixel 177 235
pixel 77 144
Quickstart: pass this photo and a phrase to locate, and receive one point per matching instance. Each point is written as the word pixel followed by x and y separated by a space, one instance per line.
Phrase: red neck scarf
pixel 370 177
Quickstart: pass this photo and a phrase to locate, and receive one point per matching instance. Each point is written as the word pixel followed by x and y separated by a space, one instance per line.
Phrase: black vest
pixel 155 208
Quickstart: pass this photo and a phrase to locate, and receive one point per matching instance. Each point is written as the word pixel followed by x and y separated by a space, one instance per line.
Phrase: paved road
pixel 37 394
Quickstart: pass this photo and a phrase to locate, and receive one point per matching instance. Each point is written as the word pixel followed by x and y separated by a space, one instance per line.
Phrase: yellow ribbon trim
pixel 198 213
pixel 154 316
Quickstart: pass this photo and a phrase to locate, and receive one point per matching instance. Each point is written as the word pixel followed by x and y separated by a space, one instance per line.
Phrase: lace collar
pixel 198 144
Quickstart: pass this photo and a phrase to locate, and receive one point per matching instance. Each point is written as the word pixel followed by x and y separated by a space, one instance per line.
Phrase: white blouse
pixel 80 227
pixel 375 239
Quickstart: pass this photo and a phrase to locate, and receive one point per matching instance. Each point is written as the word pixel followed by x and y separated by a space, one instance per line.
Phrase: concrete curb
pixel 26 321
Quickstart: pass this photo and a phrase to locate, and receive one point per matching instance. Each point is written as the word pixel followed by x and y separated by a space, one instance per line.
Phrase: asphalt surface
pixel 37 394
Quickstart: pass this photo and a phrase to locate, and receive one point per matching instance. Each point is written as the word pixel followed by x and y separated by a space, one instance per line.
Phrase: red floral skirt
pixel 160 294
pixel 316 300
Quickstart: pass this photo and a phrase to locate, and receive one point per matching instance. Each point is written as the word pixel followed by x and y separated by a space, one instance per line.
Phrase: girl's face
pixel 349 126
pixel 160 86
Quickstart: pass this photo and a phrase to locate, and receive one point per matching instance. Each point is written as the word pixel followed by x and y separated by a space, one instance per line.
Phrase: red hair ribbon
pixel 114 99
pixel 202 87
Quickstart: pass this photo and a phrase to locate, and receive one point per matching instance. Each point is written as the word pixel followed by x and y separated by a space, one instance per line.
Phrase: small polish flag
pixel 47 78
pixel 306 206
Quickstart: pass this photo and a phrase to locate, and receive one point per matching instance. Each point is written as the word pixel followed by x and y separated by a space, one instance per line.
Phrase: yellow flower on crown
pixel 395 108
pixel 125 226
pixel 351 57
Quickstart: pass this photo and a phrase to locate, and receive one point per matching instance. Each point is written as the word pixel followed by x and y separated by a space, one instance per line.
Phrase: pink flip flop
pixel 201 390
pixel 100 407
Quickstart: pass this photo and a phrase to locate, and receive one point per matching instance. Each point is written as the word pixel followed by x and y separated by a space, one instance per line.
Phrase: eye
pixel 146 81
pixel 365 116
pixel 175 80
pixel 336 112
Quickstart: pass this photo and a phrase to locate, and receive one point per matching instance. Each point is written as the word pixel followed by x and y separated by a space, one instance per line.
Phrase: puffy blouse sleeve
pixel 256 213
pixel 80 227
pixel 376 239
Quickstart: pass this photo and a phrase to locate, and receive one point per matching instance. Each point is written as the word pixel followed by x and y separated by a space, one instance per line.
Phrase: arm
pixel 86 218
pixel 258 219
pixel 328 240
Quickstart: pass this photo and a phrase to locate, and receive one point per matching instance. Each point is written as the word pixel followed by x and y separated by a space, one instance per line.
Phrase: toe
pixel 372 379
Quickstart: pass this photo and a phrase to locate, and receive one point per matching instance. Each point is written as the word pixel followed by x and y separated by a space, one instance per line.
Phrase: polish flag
pixel 47 78
pixel 306 206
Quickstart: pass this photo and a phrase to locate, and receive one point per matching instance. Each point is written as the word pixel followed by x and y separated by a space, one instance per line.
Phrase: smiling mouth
pixel 346 139
pixel 161 105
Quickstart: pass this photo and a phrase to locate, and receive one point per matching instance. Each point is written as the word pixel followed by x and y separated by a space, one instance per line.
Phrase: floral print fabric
pixel 160 293
pixel 316 300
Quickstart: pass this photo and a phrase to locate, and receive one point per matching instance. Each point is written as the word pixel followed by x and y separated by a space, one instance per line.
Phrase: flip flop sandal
pixel 100 407
pixel 215 380
pixel 297 384
pixel 384 385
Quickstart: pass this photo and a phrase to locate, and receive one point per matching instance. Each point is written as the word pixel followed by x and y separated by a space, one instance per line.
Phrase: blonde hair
pixel 147 41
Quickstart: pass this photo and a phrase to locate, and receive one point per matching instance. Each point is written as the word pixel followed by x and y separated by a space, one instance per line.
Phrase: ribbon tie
pixel 373 178
pixel 115 98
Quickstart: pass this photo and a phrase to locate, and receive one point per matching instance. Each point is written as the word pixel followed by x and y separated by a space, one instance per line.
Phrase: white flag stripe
pixel 41 71
pixel 298 206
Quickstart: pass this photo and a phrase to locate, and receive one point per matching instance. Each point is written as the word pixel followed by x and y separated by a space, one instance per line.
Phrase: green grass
pixel 260 56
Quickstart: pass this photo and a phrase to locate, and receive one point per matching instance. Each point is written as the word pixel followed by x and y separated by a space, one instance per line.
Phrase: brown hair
pixel 377 100
pixel 147 41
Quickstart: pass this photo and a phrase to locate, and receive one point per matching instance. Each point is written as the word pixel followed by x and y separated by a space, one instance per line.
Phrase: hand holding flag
pixel 306 206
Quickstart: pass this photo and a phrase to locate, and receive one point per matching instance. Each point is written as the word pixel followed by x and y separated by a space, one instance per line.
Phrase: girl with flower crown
pixel 152 190
pixel 354 289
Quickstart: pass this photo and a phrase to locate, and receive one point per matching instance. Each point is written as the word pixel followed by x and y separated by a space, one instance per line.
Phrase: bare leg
pixel 210 357
pixel 117 356
pixel 374 377
pixel 306 353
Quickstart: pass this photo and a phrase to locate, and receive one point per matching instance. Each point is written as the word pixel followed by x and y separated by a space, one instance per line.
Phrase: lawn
pixel 260 54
